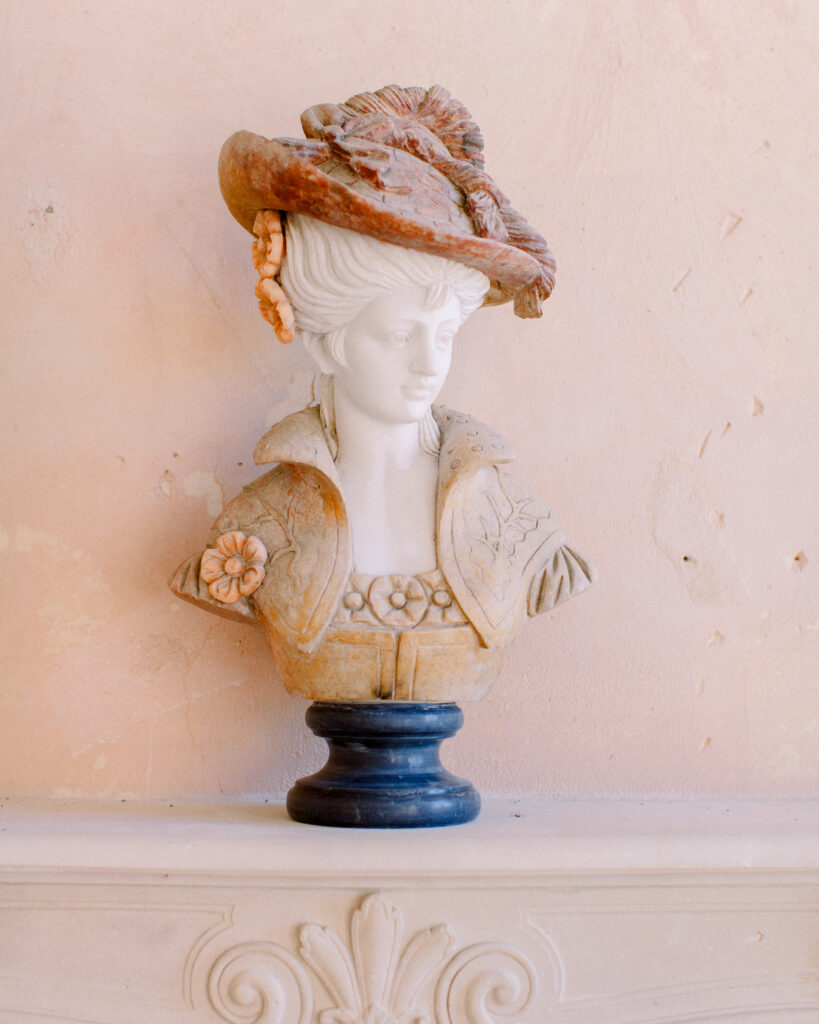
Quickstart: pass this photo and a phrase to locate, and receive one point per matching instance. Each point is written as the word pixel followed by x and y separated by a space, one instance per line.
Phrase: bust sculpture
pixel 389 554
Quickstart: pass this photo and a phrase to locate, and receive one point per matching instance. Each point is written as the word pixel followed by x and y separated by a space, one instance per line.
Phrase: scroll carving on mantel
pixel 376 977
pixel 260 983
pixel 389 554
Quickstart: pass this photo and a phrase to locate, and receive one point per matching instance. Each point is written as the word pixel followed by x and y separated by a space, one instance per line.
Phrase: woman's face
pixel 397 354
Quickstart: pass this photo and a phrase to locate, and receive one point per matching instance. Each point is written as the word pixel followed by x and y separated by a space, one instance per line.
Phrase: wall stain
pixel 798 561
pixel 682 524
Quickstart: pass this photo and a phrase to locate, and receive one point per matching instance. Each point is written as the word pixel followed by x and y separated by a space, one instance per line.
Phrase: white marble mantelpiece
pixel 590 912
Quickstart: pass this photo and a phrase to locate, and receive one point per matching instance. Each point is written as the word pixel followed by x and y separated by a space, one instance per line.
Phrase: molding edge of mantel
pixel 593 912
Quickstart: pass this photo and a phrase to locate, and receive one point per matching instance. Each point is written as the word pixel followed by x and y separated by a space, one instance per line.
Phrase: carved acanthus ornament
pixel 374 978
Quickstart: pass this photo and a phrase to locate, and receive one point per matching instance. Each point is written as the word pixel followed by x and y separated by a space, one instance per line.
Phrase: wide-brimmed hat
pixel 403 165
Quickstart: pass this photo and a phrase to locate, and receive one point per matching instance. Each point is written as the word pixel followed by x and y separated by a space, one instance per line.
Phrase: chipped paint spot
pixel 49 231
pixel 703 445
pixel 680 279
pixel 725 429
pixel 705 566
pixel 746 295
pixel 798 561
pixel 205 485
pixel 731 223
pixel 67 625
pixel 716 639
pixel 27 539
pixel 164 485
pixel 158 651
pixel 706 743
pixel 717 519
pixel 757 408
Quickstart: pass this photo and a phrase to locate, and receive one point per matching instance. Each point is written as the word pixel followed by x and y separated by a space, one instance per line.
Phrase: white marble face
pixel 397 353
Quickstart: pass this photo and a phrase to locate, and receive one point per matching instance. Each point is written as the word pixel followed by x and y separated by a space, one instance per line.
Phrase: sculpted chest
pixel 339 634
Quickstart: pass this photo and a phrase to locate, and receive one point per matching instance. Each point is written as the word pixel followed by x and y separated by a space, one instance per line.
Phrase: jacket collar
pixel 466 444
pixel 298 438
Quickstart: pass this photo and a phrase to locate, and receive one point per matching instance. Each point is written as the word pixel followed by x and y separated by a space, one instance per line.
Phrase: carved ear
pixel 318 348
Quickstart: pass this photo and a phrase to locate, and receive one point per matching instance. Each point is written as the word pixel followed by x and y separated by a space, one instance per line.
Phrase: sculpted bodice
pixel 339 635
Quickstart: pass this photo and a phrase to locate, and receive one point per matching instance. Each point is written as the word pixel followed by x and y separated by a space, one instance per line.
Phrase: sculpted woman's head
pixel 380 318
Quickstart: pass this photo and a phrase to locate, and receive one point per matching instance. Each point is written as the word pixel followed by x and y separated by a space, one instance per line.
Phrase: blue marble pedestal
pixel 383 769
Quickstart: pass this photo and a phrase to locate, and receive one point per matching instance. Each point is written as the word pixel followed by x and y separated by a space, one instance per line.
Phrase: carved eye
pixel 445 340
pixel 399 339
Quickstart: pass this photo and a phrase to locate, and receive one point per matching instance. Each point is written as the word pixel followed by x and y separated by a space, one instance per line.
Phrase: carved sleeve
pixel 564 575
pixel 187 583
pixel 242 514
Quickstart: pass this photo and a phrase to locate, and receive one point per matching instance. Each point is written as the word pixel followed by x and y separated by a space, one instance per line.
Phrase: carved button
pixel 442 598
pixel 472 433
pixel 353 601
pixel 497 444
pixel 455 463
pixel 477 447
pixel 398 601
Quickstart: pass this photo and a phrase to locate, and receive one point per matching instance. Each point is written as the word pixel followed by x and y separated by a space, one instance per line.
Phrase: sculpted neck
pixel 389 485
pixel 367 443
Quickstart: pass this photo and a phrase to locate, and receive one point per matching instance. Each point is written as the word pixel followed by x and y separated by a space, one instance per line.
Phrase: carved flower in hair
pixel 398 601
pixel 234 568
pixel 268 250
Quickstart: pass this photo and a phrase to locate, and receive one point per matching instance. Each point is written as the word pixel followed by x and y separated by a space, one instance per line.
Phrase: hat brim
pixel 283 174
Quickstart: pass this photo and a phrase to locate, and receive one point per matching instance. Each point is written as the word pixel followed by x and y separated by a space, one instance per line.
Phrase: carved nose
pixel 426 361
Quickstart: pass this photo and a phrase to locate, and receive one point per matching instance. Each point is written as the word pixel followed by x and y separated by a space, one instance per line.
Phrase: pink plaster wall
pixel 666 404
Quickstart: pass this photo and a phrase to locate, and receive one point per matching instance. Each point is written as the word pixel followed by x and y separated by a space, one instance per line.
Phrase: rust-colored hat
pixel 401 165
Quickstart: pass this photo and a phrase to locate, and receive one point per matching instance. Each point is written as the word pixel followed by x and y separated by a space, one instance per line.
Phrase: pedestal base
pixel 383 769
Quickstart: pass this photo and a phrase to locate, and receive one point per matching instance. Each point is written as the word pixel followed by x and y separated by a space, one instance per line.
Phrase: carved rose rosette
pixel 234 568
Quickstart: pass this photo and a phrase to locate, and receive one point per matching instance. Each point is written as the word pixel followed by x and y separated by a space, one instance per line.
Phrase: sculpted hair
pixel 329 274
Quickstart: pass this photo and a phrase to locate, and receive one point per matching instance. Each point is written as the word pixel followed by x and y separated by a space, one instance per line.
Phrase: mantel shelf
pixel 539 912
pixel 510 836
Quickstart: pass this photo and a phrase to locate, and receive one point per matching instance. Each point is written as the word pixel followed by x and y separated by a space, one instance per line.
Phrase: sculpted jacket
pixel 440 636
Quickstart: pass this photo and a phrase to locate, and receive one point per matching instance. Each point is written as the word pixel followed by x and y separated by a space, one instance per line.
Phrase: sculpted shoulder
pixel 467 444
pixel 298 439
pixel 296 511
